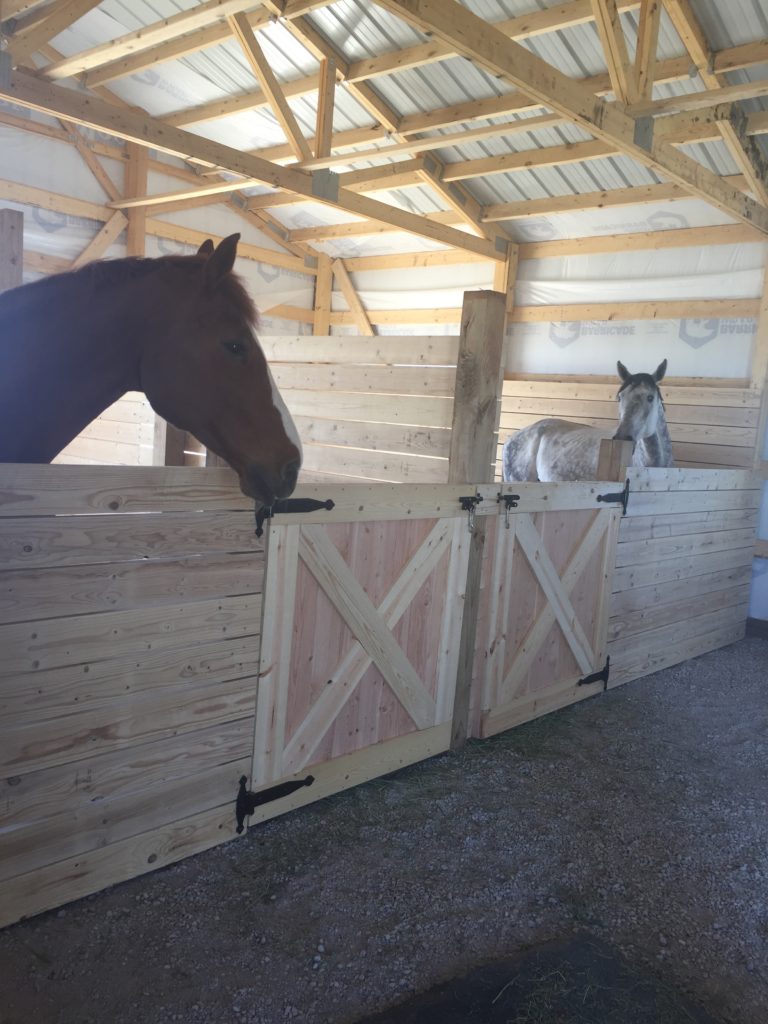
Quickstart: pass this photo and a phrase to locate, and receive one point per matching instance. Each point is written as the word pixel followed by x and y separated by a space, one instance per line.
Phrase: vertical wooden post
pixel 323 290
pixel 614 458
pixel 136 168
pixel 11 248
pixel 473 449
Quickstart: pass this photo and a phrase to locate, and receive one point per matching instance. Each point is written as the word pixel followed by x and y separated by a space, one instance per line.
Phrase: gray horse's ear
pixel 221 260
pixel 661 369
pixel 206 249
pixel 623 371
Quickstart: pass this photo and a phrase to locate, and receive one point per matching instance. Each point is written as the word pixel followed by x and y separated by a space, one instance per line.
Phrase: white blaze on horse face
pixel 639 412
pixel 288 425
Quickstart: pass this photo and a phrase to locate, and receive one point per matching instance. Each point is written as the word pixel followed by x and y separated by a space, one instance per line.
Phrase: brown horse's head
pixel 208 374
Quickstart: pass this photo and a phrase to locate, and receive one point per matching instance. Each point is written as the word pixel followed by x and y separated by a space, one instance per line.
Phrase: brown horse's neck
pixel 69 347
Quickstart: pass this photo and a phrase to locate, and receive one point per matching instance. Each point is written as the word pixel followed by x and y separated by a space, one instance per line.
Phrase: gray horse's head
pixel 640 404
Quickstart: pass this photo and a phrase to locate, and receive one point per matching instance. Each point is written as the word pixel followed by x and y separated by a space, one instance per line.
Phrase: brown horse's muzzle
pixel 268 486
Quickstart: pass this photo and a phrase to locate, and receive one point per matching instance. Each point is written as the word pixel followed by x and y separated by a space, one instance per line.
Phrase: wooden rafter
pixel 647 45
pixel 51 23
pixel 109 233
pixel 544 84
pixel 349 292
pixel 31 92
pixel 325 101
pixel 270 85
pixel 747 156
pixel 606 15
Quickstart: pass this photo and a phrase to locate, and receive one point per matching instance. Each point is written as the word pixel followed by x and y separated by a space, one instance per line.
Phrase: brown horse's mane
pixel 108 273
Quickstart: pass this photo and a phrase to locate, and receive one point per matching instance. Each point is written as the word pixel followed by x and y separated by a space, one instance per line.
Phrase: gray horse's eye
pixel 650 398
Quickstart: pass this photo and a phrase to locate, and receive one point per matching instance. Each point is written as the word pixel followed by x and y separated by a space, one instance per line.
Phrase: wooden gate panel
pixel 543 617
pixel 360 646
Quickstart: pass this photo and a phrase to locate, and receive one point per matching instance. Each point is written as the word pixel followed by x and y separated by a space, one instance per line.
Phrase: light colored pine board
pixel 581 390
pixel 342 773
pixel 390 437
pixel 686 437
pixel 51 693
pixel 645 598
pixel 426 350
pixel 122 724
pixel 676 524
pixel 643 619
pixel 96 823
pixel 54 643
pixel 636 576
pixel 528 707
pixel 647 552
pixel 624 670
pixel 660 480
pixel 113 586
pixel 373 465
pixel 569 408
pixel 36 490
pixel 627 650
pixel 34 543
pixel 418 410
pixel 396 380
pixel 643 503
pixel 75 877
pixel 103 453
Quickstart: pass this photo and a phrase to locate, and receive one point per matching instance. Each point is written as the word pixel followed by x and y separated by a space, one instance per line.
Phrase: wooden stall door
pixel 358 669
pixel 543 613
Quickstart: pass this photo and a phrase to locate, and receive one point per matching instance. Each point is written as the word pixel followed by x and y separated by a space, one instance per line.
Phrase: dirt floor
pixel 607 864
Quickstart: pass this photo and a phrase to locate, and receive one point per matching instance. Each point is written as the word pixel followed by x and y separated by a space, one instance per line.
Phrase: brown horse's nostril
pixel 291 474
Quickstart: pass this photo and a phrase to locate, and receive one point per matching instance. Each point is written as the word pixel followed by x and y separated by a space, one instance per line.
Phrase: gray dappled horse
pixel 553 449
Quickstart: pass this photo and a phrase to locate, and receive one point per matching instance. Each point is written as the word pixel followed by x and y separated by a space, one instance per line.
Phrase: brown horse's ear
pixel 623 371
pixel 206 248
pixel 661 369
pixel 221 260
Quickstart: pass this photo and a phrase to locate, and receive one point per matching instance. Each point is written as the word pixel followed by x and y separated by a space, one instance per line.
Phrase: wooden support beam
pixel 341 274
pixel 479 41
pixel 31 92
pixel 476 406
pixel 11 248
pixel 647 45
pixel 323 292
pixel 59 16
pixel 750 158
pixel 325 100
pixel 98 245
pixel 613 459
pixel 584 201
pixel 606 15
pixel 270 85
pixel 136 172
pixel 91 161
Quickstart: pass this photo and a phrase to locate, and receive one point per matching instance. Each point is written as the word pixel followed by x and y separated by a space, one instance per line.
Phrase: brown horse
pixel 178 328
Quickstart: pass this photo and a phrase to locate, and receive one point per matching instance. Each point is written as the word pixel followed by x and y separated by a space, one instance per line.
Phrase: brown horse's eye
pixel 236 348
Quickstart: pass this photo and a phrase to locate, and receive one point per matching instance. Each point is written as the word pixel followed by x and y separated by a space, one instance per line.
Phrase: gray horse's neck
pixel 655 450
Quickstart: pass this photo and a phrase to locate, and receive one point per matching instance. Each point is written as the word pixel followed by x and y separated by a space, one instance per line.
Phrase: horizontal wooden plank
pixel 686 437
pixel 119 724
pixel 396 380
pixel 112 586
pixel 86 540
pixel 384 466
pixel 50 693
pixel 634 576
pixel 53 643
pixel 605 391
pixel 643 619
pixel 716 456
pixel 427 350
pixel 392 437
pixel 75 877
pixel 569 408
pixel 35 490
pixel 99 822
pixel 106 452
pixel 685 480
pixel 530 706
pixel 645 503
pixel 628 649
pixel 670 591
pixel 624 669
pixel 646 552
pixel 417 410
pixel 676 524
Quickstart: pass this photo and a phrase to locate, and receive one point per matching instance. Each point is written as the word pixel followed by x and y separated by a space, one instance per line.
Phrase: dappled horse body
pixel 553 449
pixel 178 328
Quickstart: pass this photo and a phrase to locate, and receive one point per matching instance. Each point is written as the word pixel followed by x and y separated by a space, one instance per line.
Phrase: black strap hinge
pixel 248 801
pixel 619 497
pixel 289 505
pixel 598 677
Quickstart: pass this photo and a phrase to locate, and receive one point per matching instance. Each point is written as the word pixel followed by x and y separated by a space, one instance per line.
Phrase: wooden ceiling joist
pixel 479 41
pixel 52 21
pixel 606 15
pixel 647 45
pixel 33 93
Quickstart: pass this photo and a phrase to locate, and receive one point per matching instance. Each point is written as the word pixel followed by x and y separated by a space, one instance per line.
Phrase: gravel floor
pixel 637 820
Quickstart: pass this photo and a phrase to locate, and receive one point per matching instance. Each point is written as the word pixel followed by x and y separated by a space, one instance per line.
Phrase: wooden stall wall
pixel 683 567
pixel 123 435
pixel 370 408
pixel 130 609
pixel 711 425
